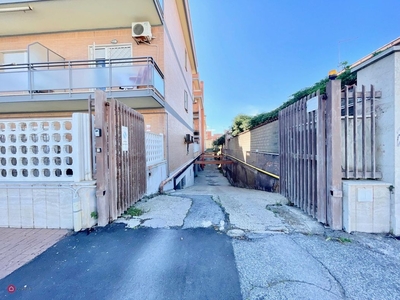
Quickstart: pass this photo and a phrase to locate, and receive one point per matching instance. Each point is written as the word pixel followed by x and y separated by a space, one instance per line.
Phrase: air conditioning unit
pixel 141 29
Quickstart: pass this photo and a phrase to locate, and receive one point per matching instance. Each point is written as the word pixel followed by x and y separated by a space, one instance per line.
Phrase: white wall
pixel 155 175
pixel 187 177
pixel 45 173
pixel 384 74
pixel 50 205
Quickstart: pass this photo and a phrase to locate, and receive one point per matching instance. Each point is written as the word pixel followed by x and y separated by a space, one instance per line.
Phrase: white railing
pixel 154 148
pixel 78 76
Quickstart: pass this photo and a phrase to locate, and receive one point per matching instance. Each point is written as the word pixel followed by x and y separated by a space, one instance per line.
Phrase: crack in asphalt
pixel 341 288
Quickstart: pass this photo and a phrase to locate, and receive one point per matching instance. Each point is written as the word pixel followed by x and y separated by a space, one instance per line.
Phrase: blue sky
pixel 253 54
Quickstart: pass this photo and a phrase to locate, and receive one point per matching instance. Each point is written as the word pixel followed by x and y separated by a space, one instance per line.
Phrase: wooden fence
pixel 120 157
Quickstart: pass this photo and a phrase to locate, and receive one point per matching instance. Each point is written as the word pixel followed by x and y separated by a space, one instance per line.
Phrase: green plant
pixel 339 239
pixel 376 53
pixel 134 211
pixel 243 122
pixel 344 240
pixel 94 214
pixel 219 141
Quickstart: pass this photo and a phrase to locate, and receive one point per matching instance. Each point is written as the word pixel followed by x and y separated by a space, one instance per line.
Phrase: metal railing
pixel 81 75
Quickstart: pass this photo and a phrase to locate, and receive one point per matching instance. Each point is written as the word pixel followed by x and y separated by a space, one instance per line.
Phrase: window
pixel 186 102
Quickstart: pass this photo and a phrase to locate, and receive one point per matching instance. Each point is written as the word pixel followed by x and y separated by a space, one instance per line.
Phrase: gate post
pixel 333 155
pixel 102 191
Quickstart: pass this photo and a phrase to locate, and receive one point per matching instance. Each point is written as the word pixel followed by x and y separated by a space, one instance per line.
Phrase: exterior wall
pixel 260 148
pixel 178 153
pixel 75 45
pixel 178 79
pixel 244 176
pixel 366 206
pixel 198 109
pixel 186 179
pixel 155 162
pixel 239 145
pixel 54 205
pixel 384 74
pixel 265 138
pixel 47 180
pixel 155 174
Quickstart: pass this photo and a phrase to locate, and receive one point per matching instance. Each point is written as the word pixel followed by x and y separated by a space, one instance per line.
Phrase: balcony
pixel 66 85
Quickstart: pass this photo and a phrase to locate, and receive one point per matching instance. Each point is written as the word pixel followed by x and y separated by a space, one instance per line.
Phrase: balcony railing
pixel 80 76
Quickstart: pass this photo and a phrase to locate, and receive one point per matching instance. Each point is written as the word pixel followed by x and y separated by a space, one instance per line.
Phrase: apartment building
pixel 53 55
pixel 199 116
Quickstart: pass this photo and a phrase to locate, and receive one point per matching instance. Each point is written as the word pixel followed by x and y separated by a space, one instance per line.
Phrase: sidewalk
pixel 19 246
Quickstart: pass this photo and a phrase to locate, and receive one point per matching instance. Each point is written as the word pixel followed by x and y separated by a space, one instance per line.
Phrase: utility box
pixel 366 206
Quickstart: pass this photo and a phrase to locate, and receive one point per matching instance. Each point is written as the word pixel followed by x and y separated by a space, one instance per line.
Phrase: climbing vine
pixel 242 122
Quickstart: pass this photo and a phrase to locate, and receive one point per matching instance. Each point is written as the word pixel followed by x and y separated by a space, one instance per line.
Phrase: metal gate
pixel 120 157
pixel 310 158
pixel 324 138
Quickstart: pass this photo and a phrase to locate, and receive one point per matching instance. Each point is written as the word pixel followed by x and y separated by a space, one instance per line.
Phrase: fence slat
pixel 321 166
pixel 314 162
pixel 112 165
pixel 363 129
pixel 355 166
pixel 101 163
pixel 346 129
pixel 373 153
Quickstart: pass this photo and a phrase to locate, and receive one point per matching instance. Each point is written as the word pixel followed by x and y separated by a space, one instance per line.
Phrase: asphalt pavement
pixel 119 263
pixel 213 241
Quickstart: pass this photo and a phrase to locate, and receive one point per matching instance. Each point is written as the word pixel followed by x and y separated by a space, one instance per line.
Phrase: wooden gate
pixel 310 155
pixel 120 157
